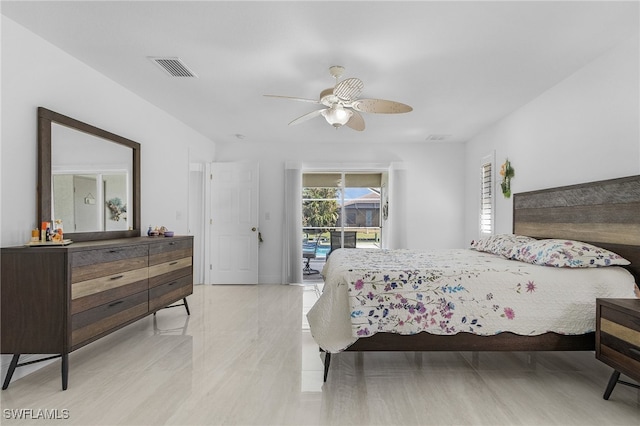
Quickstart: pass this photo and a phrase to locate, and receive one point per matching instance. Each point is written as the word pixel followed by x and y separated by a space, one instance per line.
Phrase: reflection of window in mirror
pixel 91 182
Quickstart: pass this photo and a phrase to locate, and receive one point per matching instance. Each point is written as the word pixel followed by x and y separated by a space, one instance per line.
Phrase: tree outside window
pixel 320 209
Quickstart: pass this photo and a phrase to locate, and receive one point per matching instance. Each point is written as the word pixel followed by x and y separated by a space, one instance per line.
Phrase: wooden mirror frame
pixel 44 194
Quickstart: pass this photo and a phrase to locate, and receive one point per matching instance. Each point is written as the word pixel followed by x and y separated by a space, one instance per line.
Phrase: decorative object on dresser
pixel 58 299
pixel 618 339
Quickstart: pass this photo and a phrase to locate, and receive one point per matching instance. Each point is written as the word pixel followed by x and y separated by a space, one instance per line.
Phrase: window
pixel 486 197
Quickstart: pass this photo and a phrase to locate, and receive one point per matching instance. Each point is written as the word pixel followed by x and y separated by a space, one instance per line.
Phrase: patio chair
pixel 309 252
pixel 349 240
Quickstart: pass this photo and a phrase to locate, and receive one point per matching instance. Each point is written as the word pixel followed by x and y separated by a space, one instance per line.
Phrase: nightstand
pixel 618 339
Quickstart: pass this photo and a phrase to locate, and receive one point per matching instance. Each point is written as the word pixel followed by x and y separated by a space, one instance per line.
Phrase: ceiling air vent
pixel 174 67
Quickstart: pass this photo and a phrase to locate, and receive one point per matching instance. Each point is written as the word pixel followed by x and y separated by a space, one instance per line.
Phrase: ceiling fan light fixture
pixel 336 115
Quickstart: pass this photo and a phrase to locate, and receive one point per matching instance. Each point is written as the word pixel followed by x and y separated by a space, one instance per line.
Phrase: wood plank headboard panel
pixel 604 213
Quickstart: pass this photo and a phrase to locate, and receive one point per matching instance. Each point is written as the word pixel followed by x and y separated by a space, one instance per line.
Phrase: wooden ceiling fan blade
pixel 307 116
pixel 380 106
pixel 356 122
pixel 348 89
pixel 293 98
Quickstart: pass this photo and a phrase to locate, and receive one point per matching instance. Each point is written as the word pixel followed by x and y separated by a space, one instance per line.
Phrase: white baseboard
pixel 269 279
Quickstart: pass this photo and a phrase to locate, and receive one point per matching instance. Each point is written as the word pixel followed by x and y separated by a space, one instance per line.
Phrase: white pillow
pixel 565 254
pixel 500 244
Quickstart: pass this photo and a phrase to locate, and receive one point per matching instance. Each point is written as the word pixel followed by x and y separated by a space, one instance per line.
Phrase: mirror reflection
pixel 91 181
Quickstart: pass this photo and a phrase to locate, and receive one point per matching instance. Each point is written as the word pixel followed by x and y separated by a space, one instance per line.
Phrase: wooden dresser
pixel 58 299
pixel 618 339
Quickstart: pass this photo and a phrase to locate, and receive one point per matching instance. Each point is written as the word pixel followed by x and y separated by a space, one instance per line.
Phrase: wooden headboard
pixel 604 213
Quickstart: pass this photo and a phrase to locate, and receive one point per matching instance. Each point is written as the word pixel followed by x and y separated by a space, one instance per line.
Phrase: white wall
pixel 36 73
pixel 586 128
pixel 435 188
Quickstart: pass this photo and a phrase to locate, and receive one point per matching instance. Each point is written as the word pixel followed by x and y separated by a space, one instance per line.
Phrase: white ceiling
pixel 461 65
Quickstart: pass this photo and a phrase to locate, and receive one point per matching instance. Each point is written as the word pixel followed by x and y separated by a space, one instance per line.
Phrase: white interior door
pixel 233 252
pixel 86 205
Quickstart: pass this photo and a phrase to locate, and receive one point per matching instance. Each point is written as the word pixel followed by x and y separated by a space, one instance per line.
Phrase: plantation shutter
pixel 486 200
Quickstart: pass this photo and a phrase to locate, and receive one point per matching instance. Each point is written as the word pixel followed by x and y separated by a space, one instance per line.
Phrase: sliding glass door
pixel 340 209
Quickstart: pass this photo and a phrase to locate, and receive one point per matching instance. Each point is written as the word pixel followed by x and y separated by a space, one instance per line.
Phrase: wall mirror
pixel 88 178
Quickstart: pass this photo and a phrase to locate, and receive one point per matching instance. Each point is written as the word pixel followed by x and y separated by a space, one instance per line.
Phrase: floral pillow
pixel 565 254
pixel 501 244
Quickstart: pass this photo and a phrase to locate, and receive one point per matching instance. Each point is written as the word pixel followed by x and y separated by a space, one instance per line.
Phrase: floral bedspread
pixel 450 291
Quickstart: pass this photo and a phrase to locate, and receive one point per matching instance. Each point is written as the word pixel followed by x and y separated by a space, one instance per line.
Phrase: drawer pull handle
pixel 115 251
pixel 634 351
pixel 117 277
pixel 175 282
pixel 111 305
pixel 173 263
pixel 172 243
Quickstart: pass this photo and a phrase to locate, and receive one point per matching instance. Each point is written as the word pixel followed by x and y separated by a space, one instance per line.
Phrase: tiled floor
pixel 245 356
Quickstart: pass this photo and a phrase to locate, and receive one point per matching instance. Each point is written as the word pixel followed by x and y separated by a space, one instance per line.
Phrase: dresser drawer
pixel 169 271
pixel 89 264
pixel 620 323
pixel 101 319
pixel 165 294
pixel 170 249
pixel 105 275
pixel 107 288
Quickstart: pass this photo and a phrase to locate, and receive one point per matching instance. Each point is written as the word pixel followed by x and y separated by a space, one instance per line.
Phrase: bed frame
pixel 603 213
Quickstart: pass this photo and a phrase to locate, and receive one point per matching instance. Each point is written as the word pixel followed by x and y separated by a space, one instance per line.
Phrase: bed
pixel 482 299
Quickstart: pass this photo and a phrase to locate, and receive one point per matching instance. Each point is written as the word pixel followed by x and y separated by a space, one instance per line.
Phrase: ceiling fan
pixel 342 104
